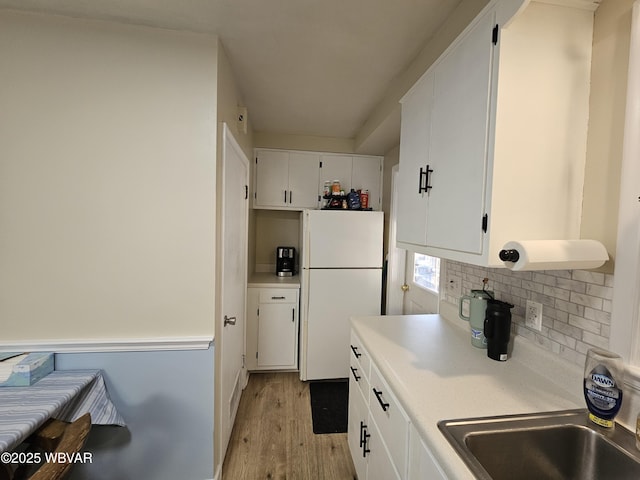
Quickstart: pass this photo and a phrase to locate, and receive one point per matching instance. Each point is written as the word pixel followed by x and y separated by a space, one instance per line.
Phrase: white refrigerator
pixel 341 277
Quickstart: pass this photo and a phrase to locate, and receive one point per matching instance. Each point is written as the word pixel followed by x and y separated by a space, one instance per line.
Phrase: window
pixel 426 272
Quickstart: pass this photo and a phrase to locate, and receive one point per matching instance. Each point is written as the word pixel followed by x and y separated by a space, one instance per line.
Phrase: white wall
pixel 610 62
pixel 107 180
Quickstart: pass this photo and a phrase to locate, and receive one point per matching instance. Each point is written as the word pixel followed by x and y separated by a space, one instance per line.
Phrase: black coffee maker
pixel 497 329
pixel 285 261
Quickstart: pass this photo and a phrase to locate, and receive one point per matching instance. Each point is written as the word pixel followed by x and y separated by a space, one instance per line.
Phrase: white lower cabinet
pixel 384 444
pixel 380 466
pixel 378 432
pixel 272 329
pixel 370 455
pixel 422 465
pixel 357 428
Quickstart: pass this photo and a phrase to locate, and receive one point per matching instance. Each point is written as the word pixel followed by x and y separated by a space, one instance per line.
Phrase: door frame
pixel 402 292
pixel 396 257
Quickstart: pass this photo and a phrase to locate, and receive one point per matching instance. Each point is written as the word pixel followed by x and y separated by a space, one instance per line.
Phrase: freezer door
pixel 334 296
pixel 339 239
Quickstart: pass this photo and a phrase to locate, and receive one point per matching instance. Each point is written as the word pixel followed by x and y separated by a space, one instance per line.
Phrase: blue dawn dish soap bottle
pixel 603 377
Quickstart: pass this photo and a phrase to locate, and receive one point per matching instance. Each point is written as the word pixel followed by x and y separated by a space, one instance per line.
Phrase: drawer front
pixel 357 377
pixel 360 355
pixel 278 295
pixel 390 419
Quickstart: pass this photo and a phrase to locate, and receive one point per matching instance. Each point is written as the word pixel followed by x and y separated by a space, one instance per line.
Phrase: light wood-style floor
pixel 273 435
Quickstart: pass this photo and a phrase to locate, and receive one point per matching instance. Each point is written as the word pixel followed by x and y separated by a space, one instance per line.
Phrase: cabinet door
pixel 380 466
pixel 415 138
pixel 272 173
pixel 277 335
pixel 303 180
pixel 366 174
pixel 336 167
pixel 459 130
pixel 356 429
pixel 421 463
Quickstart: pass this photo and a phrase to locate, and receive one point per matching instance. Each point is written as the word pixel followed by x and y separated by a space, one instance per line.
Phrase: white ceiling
pixel 309 67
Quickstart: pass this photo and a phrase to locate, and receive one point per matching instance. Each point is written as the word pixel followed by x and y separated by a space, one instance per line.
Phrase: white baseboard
pixel 109 345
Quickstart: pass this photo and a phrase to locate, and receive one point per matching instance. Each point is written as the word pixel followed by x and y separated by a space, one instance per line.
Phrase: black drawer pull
pixel 355 351
pixel 278 298
pixel 362 429
pixel 355 375
pixel 382 403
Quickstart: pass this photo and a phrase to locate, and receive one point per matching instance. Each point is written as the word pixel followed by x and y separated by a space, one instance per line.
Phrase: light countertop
pixel 271 280
pixel 437 374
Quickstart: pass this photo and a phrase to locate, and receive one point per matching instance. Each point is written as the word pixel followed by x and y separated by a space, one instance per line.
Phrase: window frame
pixel 625 317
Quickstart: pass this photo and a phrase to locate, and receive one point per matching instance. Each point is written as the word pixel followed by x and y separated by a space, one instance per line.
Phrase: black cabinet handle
pixel 278 298
pixel 362 429
pixel 355 351
pixel 285 196
pixel 293 315
pixel 365 437
pixel 424 173
pixel 382 403
pixel 355 375
pixel 290 196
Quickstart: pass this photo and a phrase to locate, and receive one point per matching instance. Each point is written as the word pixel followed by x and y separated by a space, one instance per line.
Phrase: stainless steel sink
pixel 555 445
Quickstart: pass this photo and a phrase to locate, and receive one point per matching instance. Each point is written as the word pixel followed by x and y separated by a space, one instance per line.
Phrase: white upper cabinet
pixel 493 136
pixel 459 142
pixel 367 175
pixel 294 180
pixel 415 163
pixel 336 167
pixel 360 172
pixel 286 180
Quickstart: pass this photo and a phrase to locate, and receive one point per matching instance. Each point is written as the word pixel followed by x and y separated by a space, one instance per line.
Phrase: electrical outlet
pixel 533 315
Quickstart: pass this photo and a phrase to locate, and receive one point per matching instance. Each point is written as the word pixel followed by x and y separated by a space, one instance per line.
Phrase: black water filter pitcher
pixel 497 329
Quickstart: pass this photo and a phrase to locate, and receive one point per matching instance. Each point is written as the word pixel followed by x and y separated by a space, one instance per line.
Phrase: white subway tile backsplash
pixel 565 328
pixel 597 315
pixel 584 324
pixel 571 285
pixel 576 312
pixel 555 292
pixel 588 277
pixel 570 308
pixel 533 286
pixel 598 291
pixel 544 279
pixel 562 339
pixel 595 340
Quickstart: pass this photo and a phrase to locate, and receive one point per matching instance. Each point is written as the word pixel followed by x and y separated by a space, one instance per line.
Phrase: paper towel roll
pixel 555 254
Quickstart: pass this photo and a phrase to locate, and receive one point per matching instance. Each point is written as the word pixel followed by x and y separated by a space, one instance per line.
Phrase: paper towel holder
pixel 510 255
pixel 576 254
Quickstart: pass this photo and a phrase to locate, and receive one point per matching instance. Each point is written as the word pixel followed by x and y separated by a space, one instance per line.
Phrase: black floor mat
pixel 329 406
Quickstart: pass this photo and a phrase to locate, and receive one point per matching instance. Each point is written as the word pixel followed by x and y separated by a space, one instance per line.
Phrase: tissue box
pixel 22 370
